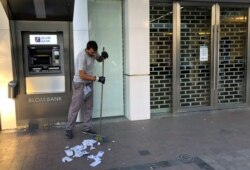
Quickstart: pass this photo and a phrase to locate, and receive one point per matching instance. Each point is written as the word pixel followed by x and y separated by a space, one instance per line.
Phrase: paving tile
pixel 208 159
pixel 241 165
pixel 216 166
pixel 223 144
pixel 245 153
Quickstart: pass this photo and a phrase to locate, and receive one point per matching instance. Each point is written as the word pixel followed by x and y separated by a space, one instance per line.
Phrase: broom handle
pixel 100 122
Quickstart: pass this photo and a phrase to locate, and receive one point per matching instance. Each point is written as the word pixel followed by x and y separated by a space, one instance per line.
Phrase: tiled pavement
pixel 204 141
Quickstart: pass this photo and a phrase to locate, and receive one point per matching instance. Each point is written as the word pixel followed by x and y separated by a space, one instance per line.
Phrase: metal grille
pixel 160 57
pixel 233 45
pixel 194 74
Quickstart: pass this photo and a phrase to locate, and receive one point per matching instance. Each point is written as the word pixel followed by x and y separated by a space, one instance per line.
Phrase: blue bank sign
pixel 42 39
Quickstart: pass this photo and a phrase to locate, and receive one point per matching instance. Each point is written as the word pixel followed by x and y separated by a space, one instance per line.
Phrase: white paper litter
pixel 89 142
pixel 66 159
pixel 80 154
pixel 69 152
pixel 78 148
pixel 100 154
pixel 92 148
pixel 94 164
pixel 81 150
pixel 97 158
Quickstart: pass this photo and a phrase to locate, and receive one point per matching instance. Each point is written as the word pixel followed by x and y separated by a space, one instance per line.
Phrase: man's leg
pixel 87 110
pixel 76 103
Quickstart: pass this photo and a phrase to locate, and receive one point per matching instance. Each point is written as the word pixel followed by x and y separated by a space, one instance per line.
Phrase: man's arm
pixel 85 76
pixel 102 57
pixel 99 58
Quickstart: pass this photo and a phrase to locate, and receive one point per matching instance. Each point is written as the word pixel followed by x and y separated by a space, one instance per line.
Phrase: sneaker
pixel 68 134
pixel 90 132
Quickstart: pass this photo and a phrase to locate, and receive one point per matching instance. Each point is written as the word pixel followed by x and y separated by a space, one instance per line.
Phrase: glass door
pixel 161 57
pixel 213 56
pixel 195 57
pixel 105 27
pixel 201 49
pixel 233 43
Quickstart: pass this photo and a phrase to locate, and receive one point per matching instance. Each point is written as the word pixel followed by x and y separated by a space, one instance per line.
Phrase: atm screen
pixel 44 59
pixel 41 60
pixel 40 56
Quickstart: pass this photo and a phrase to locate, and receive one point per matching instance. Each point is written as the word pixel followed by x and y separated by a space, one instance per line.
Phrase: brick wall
pixel 160 57
pixel 233 45
pixel 194 74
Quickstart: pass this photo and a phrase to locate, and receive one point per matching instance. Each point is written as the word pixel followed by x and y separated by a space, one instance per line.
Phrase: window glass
pixel 105 27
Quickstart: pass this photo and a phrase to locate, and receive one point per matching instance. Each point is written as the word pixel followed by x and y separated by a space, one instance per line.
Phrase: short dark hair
pixel 93 45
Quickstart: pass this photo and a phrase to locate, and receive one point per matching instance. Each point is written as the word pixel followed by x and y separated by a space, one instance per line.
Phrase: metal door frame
pixel 248 62
pixel 215 53
pixel 217 30
pixel 176 58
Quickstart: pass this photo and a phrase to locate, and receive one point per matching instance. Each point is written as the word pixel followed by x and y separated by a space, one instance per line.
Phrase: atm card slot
pixel 37 69
pixel 54 68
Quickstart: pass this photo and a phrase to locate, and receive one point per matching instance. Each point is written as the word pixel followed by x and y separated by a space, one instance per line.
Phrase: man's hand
pixel 101 79
pixel 105 55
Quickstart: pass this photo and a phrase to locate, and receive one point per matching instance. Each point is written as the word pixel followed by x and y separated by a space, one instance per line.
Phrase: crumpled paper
pixel 81 150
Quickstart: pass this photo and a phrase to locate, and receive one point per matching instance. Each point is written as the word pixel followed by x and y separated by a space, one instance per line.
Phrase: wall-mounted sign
pixel 45 99
pixel 203 53
pixel 43 39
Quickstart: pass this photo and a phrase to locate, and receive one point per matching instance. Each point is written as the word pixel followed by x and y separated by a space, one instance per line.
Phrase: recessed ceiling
pixel 52 10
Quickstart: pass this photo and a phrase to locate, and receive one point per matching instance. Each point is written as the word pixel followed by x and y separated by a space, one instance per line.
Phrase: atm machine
pixel 43 59
pixel 44 63
pixel 45 70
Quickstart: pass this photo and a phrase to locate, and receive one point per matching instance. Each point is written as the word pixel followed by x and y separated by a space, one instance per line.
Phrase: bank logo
pixel 43 39
pixel 37 39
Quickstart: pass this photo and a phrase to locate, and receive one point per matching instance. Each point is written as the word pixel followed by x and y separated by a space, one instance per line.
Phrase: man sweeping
pixel 82 86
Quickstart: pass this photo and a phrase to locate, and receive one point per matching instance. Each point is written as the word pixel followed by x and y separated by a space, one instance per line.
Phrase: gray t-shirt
pixel 86 63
